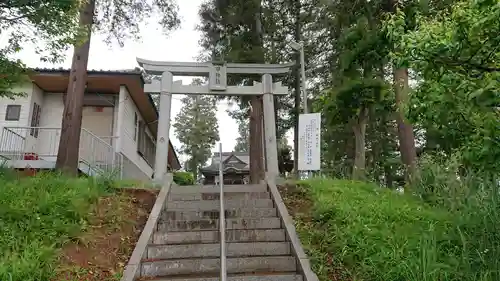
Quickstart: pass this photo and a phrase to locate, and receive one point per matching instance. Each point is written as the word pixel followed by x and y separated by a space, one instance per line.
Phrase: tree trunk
pixel 405 128
pixel 387 132
pixel 256 132
pixel 359 129
pixel 256 148
pixel 274 59
pixel 296 38
pixel 69 143
pixel 195 172
pixel 374 158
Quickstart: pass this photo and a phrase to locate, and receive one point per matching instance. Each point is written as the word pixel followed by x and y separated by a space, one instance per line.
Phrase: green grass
pixel 131 183
pixel 358 231
pixel 38 215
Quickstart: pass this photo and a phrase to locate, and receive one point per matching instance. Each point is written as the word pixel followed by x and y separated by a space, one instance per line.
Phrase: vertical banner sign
pixel 309 142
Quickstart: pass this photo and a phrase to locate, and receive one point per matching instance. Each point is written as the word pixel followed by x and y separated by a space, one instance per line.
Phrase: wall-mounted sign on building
pixel 309 142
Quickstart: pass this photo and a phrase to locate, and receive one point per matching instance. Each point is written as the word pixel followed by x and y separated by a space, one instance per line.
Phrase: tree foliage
pixel 119 20
pixel 227 29
pixel 376 67
pixel 50 26
pixel 242 141
pixel 456 56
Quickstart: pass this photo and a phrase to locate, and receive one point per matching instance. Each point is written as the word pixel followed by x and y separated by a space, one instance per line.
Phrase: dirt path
pixel 103 250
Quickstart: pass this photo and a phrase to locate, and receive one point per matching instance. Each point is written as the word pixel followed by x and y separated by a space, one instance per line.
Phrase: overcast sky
pixel 181 45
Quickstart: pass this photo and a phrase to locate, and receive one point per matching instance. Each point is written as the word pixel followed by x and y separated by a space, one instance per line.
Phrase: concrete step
pixel 206 224
pixel 216 196
pixel 176 189
pixel 208 205
pixel 269 276
pixel 242 235
pixel 171 214
pixel 159 268
pixel 213 250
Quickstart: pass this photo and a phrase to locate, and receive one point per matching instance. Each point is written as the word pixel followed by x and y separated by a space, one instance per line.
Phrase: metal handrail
pixel 222 220
pixel 97 138
pixel 92 149
pixel 9 129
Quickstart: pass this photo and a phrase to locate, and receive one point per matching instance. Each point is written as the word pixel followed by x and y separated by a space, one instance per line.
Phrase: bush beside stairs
pixel 184 243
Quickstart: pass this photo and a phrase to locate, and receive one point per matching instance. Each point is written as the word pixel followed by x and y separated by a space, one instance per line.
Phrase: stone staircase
pixel 184 245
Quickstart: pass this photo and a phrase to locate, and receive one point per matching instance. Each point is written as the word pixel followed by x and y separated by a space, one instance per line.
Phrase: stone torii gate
pixel 217 74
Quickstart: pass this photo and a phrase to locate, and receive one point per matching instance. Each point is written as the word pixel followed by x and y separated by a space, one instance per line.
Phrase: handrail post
pixel 222 220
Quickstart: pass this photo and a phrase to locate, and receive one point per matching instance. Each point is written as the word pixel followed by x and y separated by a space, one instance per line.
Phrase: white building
pixel 119 124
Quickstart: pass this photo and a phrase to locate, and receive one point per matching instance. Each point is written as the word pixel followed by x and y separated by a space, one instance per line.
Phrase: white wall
pixel 99 123
pixel 24 101
pixel 10 141
pixel 37 96
pixel 128 145
pixel 51 117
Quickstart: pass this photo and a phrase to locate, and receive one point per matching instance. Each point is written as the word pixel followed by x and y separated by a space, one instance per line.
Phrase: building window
pixel 13 112
pixel 145 145
pixel 35 120
pixel 141 136
pixel 136 126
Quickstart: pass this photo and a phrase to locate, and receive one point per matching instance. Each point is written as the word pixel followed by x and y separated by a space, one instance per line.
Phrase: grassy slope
pixel 356 231
pixel 36 221
pixel 39 215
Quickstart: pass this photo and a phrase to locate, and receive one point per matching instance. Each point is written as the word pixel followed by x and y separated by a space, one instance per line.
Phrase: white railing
pixel 111 140
pixel 32 143
pixel 222 220
pixel 96 152
pixel 18 143
pixel 11 144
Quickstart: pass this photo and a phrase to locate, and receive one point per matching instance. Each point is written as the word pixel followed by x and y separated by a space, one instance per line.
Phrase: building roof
pixel 55 80
pixel 243 156
pixel 236 161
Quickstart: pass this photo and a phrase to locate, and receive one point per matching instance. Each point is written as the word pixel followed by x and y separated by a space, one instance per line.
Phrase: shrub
pixel 473 199
pixel 183 178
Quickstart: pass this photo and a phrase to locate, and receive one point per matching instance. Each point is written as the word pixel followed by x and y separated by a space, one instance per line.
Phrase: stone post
pixel 270 126
pixel 162 137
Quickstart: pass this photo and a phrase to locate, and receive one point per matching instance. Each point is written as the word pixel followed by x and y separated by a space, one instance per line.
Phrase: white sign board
pixel 309 142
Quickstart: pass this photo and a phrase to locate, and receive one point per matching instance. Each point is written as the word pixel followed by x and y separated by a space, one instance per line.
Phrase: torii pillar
pixel 217 74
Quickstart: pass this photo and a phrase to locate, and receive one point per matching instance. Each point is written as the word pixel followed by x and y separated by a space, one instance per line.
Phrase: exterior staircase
pixel 181 240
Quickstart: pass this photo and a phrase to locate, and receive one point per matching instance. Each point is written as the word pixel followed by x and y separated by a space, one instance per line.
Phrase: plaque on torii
pixel 217 85
pixel 217 77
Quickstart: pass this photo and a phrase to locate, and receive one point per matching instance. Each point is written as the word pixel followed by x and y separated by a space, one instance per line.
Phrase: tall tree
pixel 51 24
pixel 400 72
pixel 197 129
pixel 405 128
pixel 238 23
pixel 356 88
pixel 456 55
pixel 296 5
pixel 118 19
